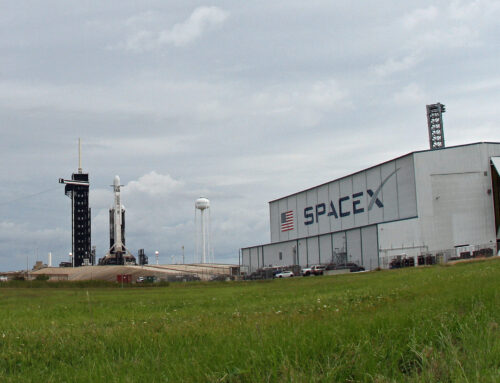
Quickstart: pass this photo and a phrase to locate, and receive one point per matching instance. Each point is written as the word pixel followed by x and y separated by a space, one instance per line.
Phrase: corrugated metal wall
pixel 380 194
pixel 355 245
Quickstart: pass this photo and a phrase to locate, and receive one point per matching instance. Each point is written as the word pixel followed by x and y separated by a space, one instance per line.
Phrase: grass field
pixel 419 325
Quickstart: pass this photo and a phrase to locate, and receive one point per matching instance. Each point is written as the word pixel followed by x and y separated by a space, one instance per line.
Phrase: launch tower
pixel 77 188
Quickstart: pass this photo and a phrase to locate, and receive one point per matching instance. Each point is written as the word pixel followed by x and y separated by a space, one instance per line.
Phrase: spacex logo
pixel 346 205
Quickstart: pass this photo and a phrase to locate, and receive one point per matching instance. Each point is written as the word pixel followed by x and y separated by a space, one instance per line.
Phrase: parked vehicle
pixel 284 274
pixel 353 267
pixel 313 270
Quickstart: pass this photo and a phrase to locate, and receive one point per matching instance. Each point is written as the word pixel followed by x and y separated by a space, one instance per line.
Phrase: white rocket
pixel 118 253
pixel 117 219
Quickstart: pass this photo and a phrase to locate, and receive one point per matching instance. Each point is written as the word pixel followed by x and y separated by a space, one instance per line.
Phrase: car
pixel 140 280
pixel 284 274
pixel 306 271
pixel 353 267
pixel 313 270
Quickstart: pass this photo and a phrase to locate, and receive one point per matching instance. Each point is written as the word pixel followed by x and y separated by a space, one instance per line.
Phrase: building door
pixel 354 254
pixel 369 243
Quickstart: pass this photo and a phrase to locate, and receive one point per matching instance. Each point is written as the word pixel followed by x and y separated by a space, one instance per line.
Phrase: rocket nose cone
pixel 116 181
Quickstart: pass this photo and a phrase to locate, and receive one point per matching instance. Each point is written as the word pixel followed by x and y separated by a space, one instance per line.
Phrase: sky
pixel 239 102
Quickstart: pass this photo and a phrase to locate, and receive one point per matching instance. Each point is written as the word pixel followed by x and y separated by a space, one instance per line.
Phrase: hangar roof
pixel 392 159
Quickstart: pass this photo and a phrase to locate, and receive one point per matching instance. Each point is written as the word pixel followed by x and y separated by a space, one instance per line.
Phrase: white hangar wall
pixel 358 245
pixel 383 193
pixel 456 195
pixel 418 203
pixel 454 199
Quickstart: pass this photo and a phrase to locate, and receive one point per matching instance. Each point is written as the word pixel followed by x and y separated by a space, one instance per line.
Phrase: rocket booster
pixel 118 215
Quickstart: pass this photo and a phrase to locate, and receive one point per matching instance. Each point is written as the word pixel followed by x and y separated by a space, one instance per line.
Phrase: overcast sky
pixel 238 101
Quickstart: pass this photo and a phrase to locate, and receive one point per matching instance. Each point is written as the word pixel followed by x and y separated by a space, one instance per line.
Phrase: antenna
pixel 79 156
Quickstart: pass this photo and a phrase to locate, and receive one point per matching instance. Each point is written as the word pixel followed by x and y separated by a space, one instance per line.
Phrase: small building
pixel 39 265
pixel 443 203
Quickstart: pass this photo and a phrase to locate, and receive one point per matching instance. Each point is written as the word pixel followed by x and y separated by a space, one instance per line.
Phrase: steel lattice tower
pixel 77 188
pixel 435 124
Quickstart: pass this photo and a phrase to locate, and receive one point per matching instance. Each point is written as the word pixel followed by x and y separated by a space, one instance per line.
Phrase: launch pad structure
pixel 83 254
pixel 77 189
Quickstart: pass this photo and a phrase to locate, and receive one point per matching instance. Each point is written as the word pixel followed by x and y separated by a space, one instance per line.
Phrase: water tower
pixel 203 204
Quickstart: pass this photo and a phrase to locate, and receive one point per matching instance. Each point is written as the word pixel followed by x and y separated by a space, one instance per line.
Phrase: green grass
pixel 38 284
pixel 420 325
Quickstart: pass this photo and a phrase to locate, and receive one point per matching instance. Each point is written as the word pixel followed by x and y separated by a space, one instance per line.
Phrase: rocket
pixel 117 254
pixel 117 222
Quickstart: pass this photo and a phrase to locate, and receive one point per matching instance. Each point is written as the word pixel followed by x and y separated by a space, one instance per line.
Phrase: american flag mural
pixel 287 221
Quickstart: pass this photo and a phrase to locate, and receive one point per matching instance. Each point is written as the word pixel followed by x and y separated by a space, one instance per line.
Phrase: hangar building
pixel 444 202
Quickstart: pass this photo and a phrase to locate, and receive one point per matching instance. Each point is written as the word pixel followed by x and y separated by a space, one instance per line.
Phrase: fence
pixel 438 256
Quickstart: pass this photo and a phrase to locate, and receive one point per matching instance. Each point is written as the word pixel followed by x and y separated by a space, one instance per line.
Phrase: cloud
pixel 427 35
pixel 483 86
pixel 460 24
pixel 143 18
pixel 474 10
pixel 21 240
pixel 172 143
pixel 304 103
pixel 392 65
pixel 450 37
pixel 410 95
pixel 138 96
pixel 420 16
pixel 153 184
pixel 201 20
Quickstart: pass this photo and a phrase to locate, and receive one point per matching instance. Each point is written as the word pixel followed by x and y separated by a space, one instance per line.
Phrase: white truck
pixel 313 270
